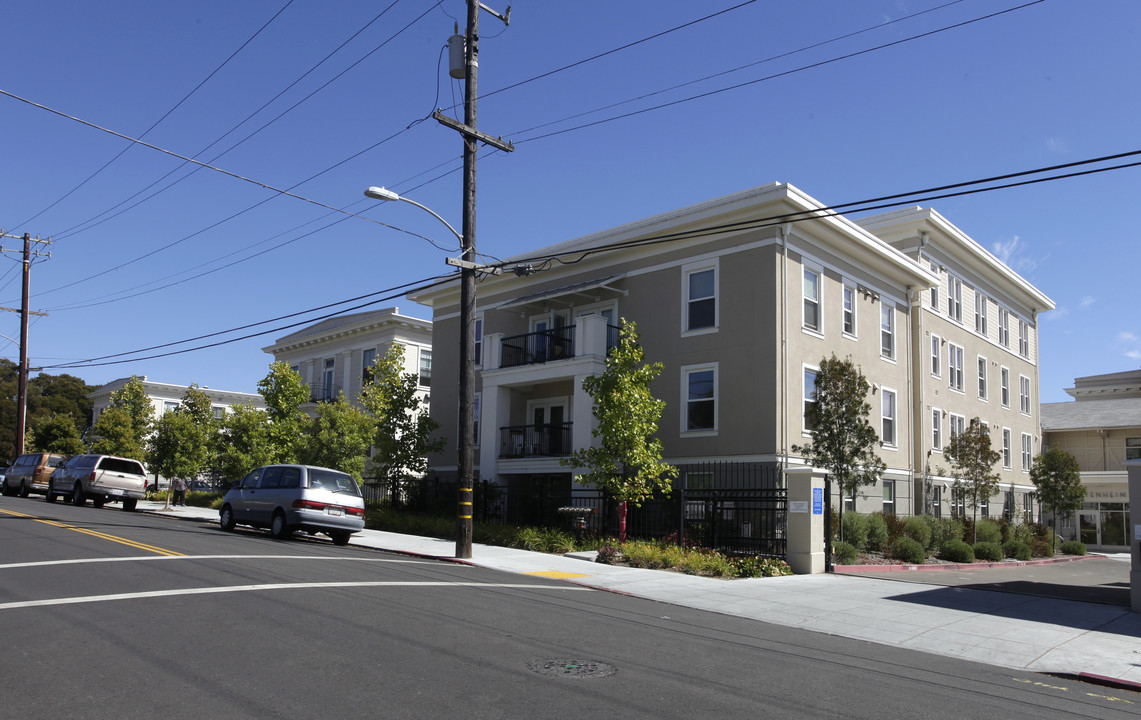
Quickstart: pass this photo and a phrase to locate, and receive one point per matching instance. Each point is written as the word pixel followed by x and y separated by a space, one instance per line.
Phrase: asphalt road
pixel 108 614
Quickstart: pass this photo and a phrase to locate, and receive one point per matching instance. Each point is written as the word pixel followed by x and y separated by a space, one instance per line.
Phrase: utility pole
pixel 22 393
pixel 468 269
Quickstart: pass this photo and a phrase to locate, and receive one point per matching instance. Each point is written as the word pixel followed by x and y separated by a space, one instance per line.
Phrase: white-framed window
pixel 982 378
pixel 955 299
pixel 887 330
pixel 219 412
pixel 980 313
pixel 699 388
pixel 957 424
pixel 169 406
pixel 889 497
pixel 810 374
pixel 955 366
pixel 1024 394
pixel 700 293
pixel 1024 339
pixel 1004 385
pixel 478 345
pixel 1004 327
pixel 811 290
pixel 850 501
pixel 1007 450
pixel 849 317
pixel 935 289
pixel 425 367
pixel 368 357
pixel 936 352
pixel 1133 448
pixel 888 405
pixel 1026 450
pixel 936 430
pixel 327 391
pixel 937 501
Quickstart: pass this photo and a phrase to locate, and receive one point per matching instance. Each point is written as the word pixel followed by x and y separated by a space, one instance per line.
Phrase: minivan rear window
pixel 56 460
pixel 335 481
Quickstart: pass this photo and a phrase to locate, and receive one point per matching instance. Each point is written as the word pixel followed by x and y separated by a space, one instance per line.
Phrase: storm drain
pixel 571 668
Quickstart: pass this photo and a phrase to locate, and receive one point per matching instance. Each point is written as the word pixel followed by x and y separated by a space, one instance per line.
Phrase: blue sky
pixel 333 104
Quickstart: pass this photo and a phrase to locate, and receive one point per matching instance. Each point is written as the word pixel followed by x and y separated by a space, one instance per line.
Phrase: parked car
pixel 287 498
pixel 100 478
pixel 198 486
pixel 31 473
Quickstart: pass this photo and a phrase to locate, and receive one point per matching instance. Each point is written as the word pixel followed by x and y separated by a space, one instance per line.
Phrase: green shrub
pixel 988 531
pixel 1073 547
pixel 957 551
pixel 1040 548
pixel 529 538
pixel 1016 549
pixel 856 530
pixel 608 555
pixel 943 530
pixel 895 525
pixel 843 553
pixel 204 499
pixel 1024 533
pixel 750 566
pixel 877 532
pixel 919 530
pixel 908 550
pixel 990 551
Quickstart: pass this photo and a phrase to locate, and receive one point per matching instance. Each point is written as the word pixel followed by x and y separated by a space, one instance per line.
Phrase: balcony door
pixel 548 434
pixel 552 335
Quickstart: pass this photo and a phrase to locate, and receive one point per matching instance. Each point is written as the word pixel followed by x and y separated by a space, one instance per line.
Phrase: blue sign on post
pixel 817 501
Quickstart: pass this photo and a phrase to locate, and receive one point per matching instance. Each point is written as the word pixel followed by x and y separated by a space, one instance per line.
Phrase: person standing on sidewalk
pixel 178 489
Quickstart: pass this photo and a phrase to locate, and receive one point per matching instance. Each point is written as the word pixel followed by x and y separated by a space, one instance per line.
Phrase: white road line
pixel 82 561
pixel 275 586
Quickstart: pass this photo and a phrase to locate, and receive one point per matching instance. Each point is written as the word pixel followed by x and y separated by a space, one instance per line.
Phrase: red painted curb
pixel 854 569
pixel 1110 681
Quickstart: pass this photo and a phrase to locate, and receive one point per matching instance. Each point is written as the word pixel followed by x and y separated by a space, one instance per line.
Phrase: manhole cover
pixel 571 668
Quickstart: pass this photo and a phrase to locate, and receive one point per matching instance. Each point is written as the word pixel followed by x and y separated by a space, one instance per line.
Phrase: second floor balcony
pixel 549 345
pixel 324 392
pixel 549 440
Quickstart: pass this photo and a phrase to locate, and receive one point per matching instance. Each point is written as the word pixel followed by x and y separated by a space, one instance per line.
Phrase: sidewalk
pixel 1025 632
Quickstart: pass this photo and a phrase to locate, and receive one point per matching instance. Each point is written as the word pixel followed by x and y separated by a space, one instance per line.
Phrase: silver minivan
pixel 287 498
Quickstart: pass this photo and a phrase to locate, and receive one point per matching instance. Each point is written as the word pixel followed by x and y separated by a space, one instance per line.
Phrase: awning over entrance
pixel 568 295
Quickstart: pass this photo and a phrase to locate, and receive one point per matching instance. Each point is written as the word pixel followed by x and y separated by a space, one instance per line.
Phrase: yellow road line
pixel 557 574
pixel 101 535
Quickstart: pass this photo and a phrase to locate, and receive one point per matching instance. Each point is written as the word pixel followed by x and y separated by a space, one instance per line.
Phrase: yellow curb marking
pixel 557 574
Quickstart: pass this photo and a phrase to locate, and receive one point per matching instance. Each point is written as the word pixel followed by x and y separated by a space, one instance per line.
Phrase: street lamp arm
pixel 379 193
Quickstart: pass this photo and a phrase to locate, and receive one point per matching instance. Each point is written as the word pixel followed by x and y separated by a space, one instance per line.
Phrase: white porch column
pixel 582 416
pixel 590 336
pixel 805 542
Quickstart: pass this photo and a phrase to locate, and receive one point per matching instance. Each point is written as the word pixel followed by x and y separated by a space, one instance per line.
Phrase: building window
pixel 887 331
pixel 701 298
pixel 849 310
pixel 219 412
pixel 368 357
pixel 954 299
pixel 1006 449
pixel 1004 375
pixel 935 289
pixel 850 501
pixel 888 404
pixel 937 501
pixel 980 313
pixel 1024 394
pixel 700 388
pixel 811 300
pixel 889 497
pixel 809 394
pixel 957 424
pixel 984 507
pixel 425 367
pixel 1004 327
pixel 478 349
pixel 1025 452
pixel 1133 448
pixel 326 392
pixel 936 430
pixel 958 502
pixel 935 352
pixel 169 406
pixel 982 378
pixel 1024 339
pixel 955 367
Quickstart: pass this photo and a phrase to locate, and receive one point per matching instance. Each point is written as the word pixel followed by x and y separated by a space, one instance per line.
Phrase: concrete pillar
pixel 1134 469
pixel 805 551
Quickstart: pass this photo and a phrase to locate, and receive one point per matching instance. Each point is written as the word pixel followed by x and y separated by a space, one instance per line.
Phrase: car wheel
pixel 129 504
pixel 77 498
pixel 98 501
pixel 50 496
pixel 340 537
pixel 5 490
pixel 226 519
pixel 278 528
pixel 23 489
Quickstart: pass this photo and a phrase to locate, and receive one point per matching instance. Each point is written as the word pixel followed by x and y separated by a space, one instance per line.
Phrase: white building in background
pixel 167 396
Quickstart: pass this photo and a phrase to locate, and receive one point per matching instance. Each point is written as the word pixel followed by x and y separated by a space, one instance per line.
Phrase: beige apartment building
pixel 740 298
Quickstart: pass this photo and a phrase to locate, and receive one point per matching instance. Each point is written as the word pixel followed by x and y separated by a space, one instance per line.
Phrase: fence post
pixel 827 524
pixel 805 521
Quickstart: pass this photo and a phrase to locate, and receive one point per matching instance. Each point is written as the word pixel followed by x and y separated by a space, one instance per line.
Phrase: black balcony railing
pixel 538 347
pixel 323 393
pixel 551 440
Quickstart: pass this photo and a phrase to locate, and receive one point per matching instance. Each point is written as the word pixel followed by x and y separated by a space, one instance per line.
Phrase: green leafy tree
pixel 403 429
pixel 627 461
pixel 178 446
pixel 115 435
pixel 48 396
pixel 844 441
pixel 133 399
pixel 284 391
pixel 242 443
pixel 972 465
pixel 1058 478
pixel 339 437
pixel 55 434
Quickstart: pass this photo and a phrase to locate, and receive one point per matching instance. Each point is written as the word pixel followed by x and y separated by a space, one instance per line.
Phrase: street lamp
pixel 467 374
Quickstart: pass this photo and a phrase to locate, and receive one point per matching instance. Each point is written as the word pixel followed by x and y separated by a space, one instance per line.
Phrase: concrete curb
pixel 958 566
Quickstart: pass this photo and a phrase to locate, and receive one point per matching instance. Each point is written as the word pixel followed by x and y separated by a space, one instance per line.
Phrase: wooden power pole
pixel 22 392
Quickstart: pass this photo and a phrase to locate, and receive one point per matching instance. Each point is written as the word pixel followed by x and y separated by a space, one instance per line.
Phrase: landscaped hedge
pixel 1016 549
pixel 908 550
pixel 843 553
pixel 957 551
pixel 990 551
pixel 1073 547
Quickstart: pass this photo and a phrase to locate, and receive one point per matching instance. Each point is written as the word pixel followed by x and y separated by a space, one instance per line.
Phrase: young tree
pixel 843 440
pixel 627 463
pixel 115 434
pixel 972 463
pixel 1057 476
pixel 339 437
pixel 178 446
pixel 242 443
pixel 284 391
pixel 132 398
pixel 403 431
pixel 57 434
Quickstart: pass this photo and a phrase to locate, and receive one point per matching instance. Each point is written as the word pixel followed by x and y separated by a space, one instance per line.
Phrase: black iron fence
pixel 738 508
pixel 537 347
